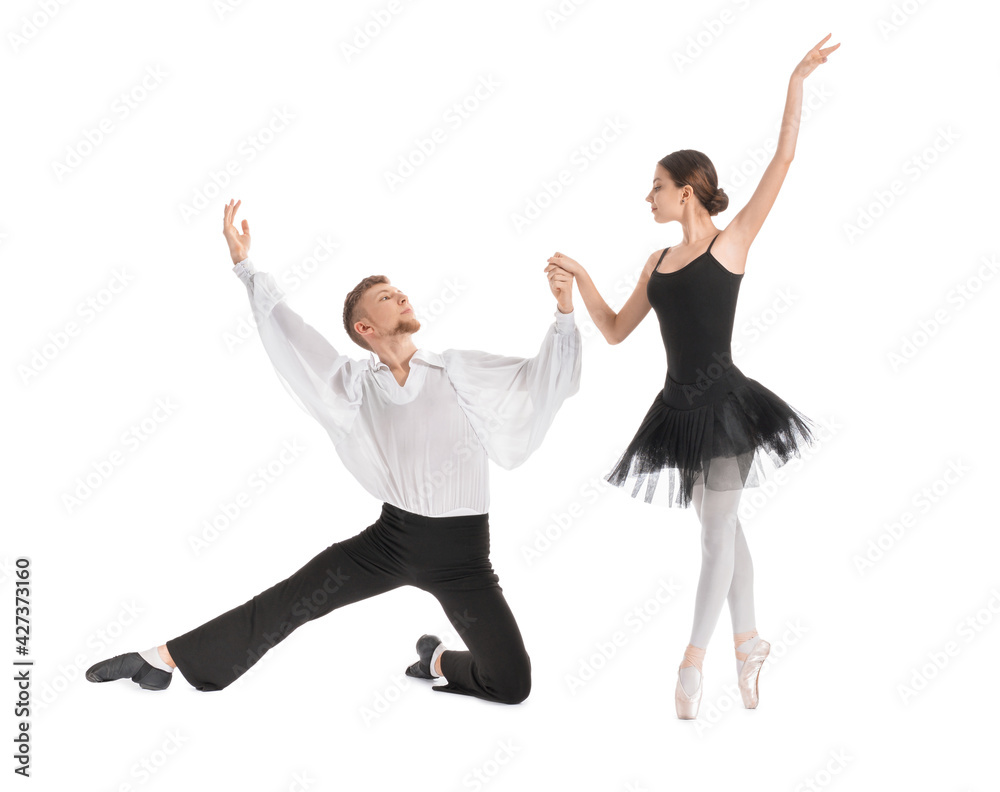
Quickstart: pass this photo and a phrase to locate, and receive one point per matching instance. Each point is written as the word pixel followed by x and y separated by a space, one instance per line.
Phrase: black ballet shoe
pixel 426 645
pixel 133 666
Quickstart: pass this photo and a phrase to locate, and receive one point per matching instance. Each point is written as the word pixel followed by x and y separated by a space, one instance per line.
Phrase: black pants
pixel 446 556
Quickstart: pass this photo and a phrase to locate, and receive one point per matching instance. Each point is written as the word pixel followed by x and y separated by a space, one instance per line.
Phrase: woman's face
pixel 664 197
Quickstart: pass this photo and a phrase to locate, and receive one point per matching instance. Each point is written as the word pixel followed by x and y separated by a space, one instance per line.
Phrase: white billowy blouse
pixel 423 446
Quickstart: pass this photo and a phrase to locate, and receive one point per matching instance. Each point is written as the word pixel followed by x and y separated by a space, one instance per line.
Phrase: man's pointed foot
pixel 133 666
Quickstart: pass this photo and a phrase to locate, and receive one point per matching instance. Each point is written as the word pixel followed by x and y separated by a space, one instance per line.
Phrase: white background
pixel 908 100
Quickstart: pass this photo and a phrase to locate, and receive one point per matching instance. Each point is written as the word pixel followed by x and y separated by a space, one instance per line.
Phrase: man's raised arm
pixel 322 381
pixel 512 401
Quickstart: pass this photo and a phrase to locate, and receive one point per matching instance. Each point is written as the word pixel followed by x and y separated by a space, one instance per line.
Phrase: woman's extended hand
pixel 566 263
pixel 813 58
pixel 239 244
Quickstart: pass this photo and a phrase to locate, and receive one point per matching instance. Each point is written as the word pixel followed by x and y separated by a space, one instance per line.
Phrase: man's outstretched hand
pixel 561 284
pixel 239 244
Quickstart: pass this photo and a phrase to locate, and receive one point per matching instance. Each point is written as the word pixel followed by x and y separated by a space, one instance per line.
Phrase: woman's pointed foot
pixel 687 704
pixel 750 673
pixel 690 668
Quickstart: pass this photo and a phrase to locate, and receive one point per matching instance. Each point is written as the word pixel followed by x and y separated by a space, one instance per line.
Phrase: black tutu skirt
pixel 726 433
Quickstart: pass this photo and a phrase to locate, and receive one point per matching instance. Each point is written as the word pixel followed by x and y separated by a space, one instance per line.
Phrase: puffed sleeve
pixel 323 382
pixel 512 401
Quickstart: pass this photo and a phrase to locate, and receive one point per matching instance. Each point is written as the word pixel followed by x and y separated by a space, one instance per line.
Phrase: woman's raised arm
pixel 743 228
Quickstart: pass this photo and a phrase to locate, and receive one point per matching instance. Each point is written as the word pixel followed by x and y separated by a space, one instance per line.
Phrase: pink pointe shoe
pixel 687 706
pixel 750 673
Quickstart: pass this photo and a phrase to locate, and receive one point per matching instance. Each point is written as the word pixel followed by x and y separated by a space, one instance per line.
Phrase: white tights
pixel 726 569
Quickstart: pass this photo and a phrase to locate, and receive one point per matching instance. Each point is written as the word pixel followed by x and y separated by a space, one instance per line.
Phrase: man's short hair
pixel 353 310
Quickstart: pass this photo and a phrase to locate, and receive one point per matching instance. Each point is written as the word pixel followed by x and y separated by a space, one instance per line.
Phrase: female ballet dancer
pixel 710 429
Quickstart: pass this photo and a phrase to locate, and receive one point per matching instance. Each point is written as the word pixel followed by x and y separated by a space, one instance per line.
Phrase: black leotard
pixel 710 423
pixel 696 308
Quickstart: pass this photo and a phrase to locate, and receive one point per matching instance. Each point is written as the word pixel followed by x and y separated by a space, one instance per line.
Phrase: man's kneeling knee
pixel 515 685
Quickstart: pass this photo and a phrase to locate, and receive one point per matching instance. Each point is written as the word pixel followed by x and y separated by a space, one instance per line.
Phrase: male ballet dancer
pixel 417 429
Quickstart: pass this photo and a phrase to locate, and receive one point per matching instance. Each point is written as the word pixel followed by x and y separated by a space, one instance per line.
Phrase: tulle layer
pixel 730 431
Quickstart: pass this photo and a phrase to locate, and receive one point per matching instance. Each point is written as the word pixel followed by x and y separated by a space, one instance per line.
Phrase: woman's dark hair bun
pixel 718 203
pixel 688 166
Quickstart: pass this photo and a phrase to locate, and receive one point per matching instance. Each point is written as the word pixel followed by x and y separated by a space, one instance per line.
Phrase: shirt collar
pixel 432 358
